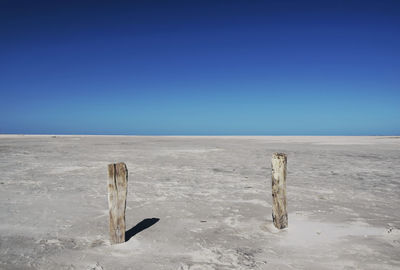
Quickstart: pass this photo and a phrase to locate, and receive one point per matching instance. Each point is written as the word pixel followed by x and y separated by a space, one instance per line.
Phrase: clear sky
pixel 200 67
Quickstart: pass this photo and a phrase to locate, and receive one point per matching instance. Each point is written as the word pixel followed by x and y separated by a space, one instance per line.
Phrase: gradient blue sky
pixel 200 67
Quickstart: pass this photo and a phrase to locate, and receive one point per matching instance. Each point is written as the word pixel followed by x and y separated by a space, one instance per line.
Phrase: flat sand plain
pixel 200 203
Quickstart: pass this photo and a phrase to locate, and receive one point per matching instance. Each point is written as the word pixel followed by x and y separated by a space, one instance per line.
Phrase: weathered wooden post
pixel 279 212
pixel 117 191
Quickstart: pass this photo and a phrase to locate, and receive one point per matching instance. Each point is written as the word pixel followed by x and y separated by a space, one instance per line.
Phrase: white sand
pixel 212 198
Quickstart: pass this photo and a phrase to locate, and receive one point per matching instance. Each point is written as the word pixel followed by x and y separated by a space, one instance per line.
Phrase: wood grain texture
pixel 279 211
pixel 117 192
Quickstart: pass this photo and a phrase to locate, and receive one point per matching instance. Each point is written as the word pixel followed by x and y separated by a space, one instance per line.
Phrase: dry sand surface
pixel 200 203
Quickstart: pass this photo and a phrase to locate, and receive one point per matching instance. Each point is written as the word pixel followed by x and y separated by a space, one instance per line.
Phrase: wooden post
pixel 117 191
pixel 279 212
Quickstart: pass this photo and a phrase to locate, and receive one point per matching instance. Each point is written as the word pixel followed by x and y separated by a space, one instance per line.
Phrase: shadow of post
pixel 142 225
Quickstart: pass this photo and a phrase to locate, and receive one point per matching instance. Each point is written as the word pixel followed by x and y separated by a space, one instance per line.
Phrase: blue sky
pixel 200 67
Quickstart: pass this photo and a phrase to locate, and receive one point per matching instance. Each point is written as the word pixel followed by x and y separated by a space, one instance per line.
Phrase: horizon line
pixel 197 135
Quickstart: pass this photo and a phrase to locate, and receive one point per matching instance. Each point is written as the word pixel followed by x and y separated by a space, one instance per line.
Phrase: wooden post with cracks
pixel 279 212
pixel 117 192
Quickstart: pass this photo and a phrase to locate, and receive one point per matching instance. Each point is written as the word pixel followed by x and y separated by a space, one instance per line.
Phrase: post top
pixel 279 155
pixel 117 165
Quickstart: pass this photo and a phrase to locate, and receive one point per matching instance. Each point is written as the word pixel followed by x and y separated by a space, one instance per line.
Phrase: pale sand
pixel 212 196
